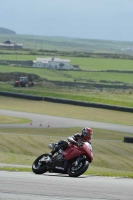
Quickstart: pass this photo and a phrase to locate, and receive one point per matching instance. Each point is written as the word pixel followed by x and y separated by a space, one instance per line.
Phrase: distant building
pixel 10 44
pixel 54 63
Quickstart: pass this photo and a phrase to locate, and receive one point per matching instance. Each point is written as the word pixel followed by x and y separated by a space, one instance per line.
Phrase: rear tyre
pixel 75 171
pixel 39 167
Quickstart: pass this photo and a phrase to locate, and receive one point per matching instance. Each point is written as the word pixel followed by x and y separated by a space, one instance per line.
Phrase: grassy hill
pixel 70 44
pixel 6 31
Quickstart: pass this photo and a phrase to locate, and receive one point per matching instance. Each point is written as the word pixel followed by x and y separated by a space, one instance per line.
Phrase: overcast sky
pixel 92 19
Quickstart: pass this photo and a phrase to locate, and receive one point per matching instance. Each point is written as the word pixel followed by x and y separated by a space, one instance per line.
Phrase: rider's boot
pixel 52 153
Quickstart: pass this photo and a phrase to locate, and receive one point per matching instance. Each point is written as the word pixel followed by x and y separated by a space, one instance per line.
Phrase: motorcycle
pixel 73 161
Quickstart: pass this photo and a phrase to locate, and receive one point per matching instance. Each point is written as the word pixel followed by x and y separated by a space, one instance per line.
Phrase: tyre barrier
pixel 128 139
pixel 88 104
pixel 67 101
pixel 22 96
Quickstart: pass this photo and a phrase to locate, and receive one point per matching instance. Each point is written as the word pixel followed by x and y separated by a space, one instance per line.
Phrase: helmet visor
pixel 89 135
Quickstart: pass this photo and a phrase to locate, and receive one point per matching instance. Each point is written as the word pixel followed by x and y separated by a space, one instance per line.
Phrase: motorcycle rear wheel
pixel 39 168
pixel 78 170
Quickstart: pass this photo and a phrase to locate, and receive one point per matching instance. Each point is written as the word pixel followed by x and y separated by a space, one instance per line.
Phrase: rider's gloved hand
pixel 79 144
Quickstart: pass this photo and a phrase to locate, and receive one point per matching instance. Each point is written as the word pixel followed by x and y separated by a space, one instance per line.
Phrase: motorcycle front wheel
pixel 77 170
pixel 38 166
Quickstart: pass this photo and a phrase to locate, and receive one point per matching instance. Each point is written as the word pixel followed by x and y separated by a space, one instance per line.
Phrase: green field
pixel 101 68
pixel 79 76
pixel 102 76
pixel 108 75
pixel 69 44
pixel 119 98
pixel 84 63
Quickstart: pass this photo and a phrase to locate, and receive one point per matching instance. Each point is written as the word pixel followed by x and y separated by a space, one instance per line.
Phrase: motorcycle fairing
pixel 73 151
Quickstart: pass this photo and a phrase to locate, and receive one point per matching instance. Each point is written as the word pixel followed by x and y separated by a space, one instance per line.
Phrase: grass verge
pixel 12 120
pixel 91 171
pixel 65 110
pixel 116 96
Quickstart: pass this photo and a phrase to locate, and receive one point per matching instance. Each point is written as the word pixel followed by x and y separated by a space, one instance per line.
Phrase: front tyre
pixel 39 166
pixel 77 170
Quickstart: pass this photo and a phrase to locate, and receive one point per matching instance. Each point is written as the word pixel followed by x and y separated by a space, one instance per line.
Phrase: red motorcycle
pixel 73 161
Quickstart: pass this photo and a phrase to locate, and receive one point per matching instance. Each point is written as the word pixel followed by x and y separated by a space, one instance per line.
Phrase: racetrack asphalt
pixel 45 121
pixel 28 186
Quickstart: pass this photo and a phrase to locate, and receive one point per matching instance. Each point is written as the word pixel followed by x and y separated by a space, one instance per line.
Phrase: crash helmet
pixel 87 133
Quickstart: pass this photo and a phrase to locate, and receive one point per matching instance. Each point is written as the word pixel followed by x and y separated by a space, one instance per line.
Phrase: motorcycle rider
pixel 85 136
pixel 76 139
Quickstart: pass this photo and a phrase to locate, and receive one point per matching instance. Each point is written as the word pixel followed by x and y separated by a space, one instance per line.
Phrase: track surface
pixel 28 186
pixel 59 122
